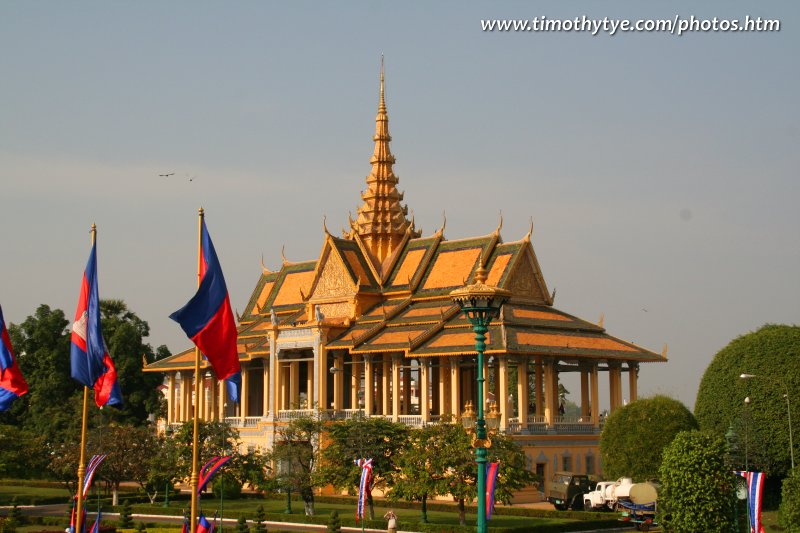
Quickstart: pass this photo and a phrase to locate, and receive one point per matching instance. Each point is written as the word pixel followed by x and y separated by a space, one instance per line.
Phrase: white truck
pixel 607 494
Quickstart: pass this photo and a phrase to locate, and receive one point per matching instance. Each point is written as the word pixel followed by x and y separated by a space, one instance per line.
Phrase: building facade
pixel 369 327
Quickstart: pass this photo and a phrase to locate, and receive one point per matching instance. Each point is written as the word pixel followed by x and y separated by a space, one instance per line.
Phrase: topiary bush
pixel 773 354
pixel 334 524
pixel 125 520
pixel 634 436
pixel 789 515
pixel 258 522
pixel 698 490
pixel 241 525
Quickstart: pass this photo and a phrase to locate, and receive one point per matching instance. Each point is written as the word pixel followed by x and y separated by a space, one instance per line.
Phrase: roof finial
pixel 382 104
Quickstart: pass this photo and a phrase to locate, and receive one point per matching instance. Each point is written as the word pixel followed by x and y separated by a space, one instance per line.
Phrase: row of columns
pixel 442 389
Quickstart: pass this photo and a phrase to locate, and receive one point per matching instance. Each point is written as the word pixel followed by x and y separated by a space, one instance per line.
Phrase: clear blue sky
pixel 661 171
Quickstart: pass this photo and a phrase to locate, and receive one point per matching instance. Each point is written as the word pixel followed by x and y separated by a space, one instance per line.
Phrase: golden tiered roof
pixel 383 288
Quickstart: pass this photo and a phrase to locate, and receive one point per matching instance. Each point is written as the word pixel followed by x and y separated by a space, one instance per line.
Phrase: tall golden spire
pixel 381 221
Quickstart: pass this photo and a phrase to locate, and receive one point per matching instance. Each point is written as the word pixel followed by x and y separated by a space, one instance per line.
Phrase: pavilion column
pixel 378 369
pixel 274 377
pixel 267 391
pixel 595 394
pixel 501 379
pixel 244 401
pixel 633 380
pixel 407 389
pixel 444 386
pixel 171 398
pixel 395 386
pixel 321 377
pixel 615 385
pixel 309 385
pixel 585 400
pixel 386 375
pixel 355 383
pixel 455 387
pixel 436 388
pixel 369 386
pixel 424 395
pixel 186 396
pixel 294 385
pixel 522 392
pixel 338 382
pixel 539 379
pixel 221 391
pixel 551 392
pixel 213 411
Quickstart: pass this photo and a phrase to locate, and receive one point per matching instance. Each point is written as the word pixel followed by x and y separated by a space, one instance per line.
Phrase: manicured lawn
pixel 32 495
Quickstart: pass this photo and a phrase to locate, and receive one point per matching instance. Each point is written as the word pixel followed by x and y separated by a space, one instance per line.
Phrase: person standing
pixel 392 519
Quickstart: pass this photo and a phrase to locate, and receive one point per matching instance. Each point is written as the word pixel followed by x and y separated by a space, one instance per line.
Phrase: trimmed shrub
pixel 789 515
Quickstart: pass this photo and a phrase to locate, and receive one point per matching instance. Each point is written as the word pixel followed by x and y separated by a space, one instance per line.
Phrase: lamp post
pixel 480 303
pixel 746 433
pixel 788 408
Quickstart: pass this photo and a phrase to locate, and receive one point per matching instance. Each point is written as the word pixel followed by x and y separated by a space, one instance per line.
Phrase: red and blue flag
pixel 491 484
pixel 207 319
pixel 96 526
pixel 203 525
pixel 90 363
pixel 364 486
pixel 209 469
pixel 12 384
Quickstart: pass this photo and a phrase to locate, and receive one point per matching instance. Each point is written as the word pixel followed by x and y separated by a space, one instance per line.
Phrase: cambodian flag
pixel 208 319
pixel 203 525
pixel 364 486
pixel 491 483
pixel 12 384
pixel 90 362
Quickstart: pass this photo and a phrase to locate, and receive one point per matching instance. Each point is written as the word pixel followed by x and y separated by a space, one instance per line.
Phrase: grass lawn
pixel 32 495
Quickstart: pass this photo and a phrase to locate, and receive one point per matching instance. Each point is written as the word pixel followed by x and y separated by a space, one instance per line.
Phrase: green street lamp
pixel 480 303
pixel 788 408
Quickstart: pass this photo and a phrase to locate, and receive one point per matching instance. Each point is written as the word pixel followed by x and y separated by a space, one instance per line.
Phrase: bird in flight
pixel 167 175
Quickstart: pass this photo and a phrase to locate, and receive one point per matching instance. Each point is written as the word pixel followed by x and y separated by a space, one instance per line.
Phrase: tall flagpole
pixel 82 464
pixel 193 482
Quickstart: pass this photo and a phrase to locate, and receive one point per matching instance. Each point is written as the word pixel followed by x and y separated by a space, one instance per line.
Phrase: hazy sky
pixel 661 171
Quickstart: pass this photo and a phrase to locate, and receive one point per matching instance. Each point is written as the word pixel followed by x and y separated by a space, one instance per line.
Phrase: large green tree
pixel 635 436
pixel 773 354
pixel 124 333
pixel 373 438
pixel 699 487
pixel 296 456
pixel 52 406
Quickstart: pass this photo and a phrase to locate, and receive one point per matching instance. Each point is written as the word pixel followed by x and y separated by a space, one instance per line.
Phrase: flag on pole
pixel 72 517
pixel 185 528
pixel 207 319
pixel 96 526
pixel 91 468
pixel 90 363
pixel 12 384
pixel 363 486
pixel 755 484
pixel 491 483
pixel 209 469
pixel 203 525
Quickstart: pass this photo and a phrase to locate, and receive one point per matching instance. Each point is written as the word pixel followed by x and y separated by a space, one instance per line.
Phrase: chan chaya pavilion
pixel 369 327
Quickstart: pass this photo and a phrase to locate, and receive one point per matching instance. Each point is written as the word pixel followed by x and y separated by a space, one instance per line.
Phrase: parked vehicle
pixel 640 508
pixel 566 490
pixel 606 495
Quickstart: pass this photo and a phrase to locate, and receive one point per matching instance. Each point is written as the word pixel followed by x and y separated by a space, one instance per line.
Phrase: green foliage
pixel 124 332
pixel 773 354
pixel 125 520
pixel 15 513
pixel 635 436
pixel 296 456
pixel 698 492
pixel 261 517
pixel 52 406
pixel 334 524
pixel 21 453
pixel 373 438
pixel 226 485
pixel 241 525
pixel 140 527
pixel 790 503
